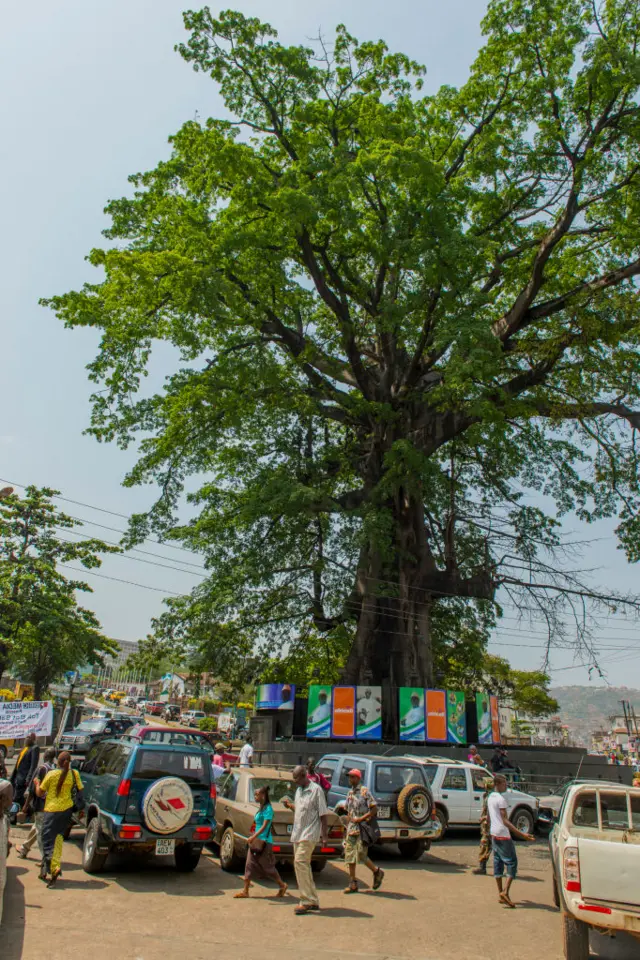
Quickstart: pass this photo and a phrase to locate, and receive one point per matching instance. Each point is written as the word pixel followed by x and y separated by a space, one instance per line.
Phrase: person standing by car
pixel 310 823
pixel 218 757
pixel 246 754
pixel 505 857
pixel 25 768
pixel 261 863
pixel 361 809
pixel 485 832
pixel 58 789
pixel 37 804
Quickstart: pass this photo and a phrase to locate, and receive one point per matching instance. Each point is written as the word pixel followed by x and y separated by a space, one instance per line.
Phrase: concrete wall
pixel 542 767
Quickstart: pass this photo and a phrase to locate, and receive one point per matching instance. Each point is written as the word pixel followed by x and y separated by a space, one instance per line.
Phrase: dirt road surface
pixel 431 910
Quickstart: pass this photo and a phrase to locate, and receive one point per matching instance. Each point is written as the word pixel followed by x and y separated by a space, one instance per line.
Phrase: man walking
pixel 485 832
pixel 361 808
pixel 246 754
pixel 310 824
pixel 505 857
pixel 37 805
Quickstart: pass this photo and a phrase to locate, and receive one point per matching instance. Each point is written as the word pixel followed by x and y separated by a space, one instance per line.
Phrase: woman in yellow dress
pixel 58 789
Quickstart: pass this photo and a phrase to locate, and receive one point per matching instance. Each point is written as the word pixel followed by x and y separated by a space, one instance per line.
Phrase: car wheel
pixel 576 938
pixel 3 751
pixel 444 823
pixel 187 857
pixel 522 819
pixel 229 859
pixel 93 861
pixel 412 849
pixel 318 865
pixel 414 804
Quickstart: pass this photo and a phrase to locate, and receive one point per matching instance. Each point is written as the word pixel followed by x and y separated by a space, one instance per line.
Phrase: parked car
pixel 155 707
pixel 191 718
pixel 89 732
pixel 236 809
pixel 406 812
pixel 6 748
pixel 171 711
pixel 148 733
pixel 458 788
pixel 595 854
pixel 147 798
pixel 129 702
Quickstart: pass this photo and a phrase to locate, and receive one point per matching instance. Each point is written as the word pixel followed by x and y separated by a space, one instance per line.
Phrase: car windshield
pixel 191 767
pixel 91 726
pixel 392 777
pixel 278 789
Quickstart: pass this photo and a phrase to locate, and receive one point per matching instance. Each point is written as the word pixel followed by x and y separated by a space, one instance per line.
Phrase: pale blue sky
pixel 91 91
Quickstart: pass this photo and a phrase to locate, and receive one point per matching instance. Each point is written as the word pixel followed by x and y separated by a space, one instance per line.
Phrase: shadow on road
pixel 621 947
pixel 530 905
pixel 13 918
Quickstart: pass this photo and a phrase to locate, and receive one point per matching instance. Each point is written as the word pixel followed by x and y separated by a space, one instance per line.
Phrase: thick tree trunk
pixel 393 646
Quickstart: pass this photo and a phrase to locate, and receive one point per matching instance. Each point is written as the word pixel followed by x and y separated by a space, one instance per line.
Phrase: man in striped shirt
pixel 310 823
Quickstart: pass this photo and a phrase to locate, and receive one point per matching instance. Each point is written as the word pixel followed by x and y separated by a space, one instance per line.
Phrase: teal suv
pixel 147 798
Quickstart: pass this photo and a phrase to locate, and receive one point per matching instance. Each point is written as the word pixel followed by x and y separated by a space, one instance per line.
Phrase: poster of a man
pixel 412 718
pixel 319 712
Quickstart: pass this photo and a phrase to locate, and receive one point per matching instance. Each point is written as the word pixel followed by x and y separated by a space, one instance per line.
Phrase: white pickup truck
pixel 595 851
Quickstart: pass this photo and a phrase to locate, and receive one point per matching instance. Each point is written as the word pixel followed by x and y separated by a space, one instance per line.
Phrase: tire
pixel 444 823
pixel 229 859
pixel 92 860
pixel 576 938
pixel 187 857
pixel 414 804
pixel 318 865
pixel 412 849
pixel 523 820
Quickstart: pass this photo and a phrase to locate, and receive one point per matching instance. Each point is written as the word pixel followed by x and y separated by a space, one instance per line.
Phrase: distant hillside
pixel 585 709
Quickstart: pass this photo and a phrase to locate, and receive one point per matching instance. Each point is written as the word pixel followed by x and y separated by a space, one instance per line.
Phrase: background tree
pixel 399 316
pixel 43 630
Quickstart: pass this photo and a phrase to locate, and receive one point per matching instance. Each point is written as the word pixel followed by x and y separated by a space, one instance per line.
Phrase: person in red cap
pixel 361 808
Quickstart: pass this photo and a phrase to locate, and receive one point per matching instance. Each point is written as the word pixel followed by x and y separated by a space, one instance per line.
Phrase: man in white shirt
pixel 323 710
pixel 415 715
pixel 502 831
pixel 368 708
pixel 310 823
pixel 246 754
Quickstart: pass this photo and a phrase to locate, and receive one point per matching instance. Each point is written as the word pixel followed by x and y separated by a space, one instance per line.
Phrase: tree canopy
pixel 43 630
pixel 408 326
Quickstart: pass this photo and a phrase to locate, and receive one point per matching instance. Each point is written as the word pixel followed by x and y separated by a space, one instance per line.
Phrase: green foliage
pixel 208 723
pixel 43 630
pixel 527 691
pixel 397 315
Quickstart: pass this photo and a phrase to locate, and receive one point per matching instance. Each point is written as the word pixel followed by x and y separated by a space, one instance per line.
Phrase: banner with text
pixel 436 706
pixel 19 718
pixel 319 712
pixel 456 717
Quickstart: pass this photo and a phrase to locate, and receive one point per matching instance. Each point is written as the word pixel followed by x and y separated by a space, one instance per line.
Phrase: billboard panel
pixel 495 719
pixel 343 723
pixel 369 713
pixel 275 696
pixel 319 712
pixel 436 706
pixel 411 703
pixel 483 713
pixel 456 717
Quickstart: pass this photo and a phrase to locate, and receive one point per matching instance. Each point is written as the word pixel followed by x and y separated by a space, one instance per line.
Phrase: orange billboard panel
pixel 344 713
pixel 436 708
pixel 495 719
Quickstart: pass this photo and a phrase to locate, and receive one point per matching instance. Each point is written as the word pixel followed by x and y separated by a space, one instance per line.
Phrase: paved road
pixel 431 910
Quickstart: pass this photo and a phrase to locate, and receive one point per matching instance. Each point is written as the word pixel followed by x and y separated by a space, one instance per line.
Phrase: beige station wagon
pixel 236 808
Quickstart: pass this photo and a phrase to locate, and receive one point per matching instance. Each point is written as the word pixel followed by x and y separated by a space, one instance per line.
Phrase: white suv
pixel 458 788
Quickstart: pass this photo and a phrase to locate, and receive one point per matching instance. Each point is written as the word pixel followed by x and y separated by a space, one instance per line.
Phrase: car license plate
pixel 384 813
pixel 165 848
pixel 289 827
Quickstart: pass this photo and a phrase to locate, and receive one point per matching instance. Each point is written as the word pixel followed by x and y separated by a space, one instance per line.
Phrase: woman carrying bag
pixel 261 863
pixel 362 832
pixel 62 790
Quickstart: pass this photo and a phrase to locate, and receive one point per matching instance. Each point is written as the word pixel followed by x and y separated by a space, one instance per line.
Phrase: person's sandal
pixel 282 892
pixel 508 902
pixel 378 877
pixel 305 908
pixel 352 888
pixel 21 853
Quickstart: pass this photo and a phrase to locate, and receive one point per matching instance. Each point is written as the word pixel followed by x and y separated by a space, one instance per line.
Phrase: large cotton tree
pixel 398 315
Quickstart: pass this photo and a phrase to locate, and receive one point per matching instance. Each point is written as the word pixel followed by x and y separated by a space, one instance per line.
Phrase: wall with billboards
pixel 347 712
pixel 275 696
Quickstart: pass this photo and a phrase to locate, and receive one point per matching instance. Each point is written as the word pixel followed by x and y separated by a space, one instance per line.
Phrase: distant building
pixel 127 648
pixel 518 727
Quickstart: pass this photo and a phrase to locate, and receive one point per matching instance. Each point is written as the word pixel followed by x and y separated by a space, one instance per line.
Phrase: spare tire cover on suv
pixel 414 804
pixel 167 805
